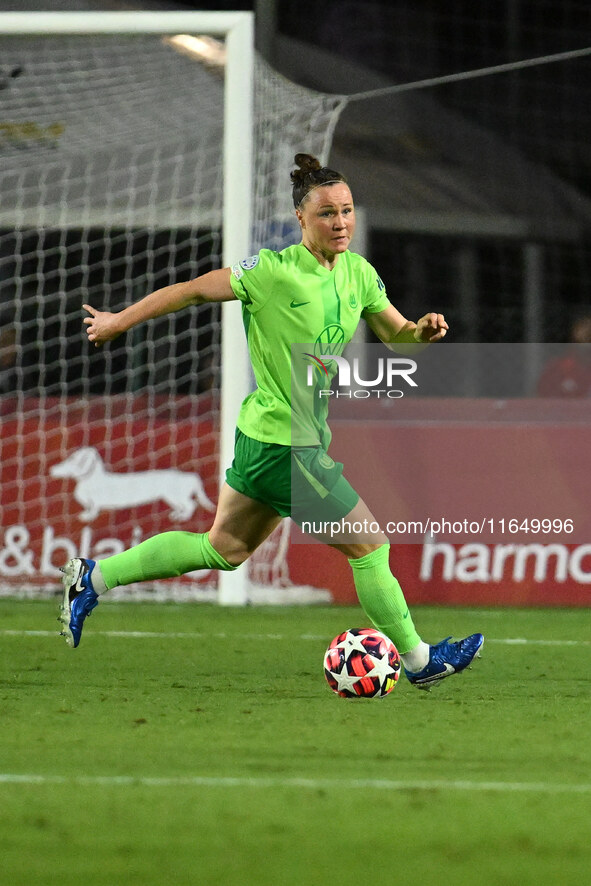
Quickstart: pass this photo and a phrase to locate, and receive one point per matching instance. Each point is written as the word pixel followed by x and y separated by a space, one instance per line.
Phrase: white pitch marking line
pixel 172 635
pixel 304 783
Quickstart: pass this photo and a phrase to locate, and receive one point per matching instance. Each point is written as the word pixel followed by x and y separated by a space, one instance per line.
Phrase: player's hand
pixel 101 326
pixel 431 327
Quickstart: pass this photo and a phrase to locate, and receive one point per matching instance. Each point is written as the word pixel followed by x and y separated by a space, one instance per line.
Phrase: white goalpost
pixel 128 142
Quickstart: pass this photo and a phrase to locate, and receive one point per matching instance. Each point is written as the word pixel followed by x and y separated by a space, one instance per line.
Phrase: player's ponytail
pixel 309 175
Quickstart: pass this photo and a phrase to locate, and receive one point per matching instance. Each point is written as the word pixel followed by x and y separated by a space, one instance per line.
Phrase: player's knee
pixel 355 551
pixel 233 550
pixel 237 556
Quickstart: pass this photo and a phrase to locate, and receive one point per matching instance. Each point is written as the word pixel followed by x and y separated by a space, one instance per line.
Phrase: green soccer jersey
pixel 289 298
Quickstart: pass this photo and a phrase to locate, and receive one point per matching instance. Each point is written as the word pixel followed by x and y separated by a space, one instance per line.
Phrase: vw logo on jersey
pixel 249 263
pixel 330 341
pixel 325 461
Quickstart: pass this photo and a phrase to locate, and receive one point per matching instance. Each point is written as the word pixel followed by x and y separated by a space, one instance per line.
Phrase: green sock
pixel 163 556
pixel 382 599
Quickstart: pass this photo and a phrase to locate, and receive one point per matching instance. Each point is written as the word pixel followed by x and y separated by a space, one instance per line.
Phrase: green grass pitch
pixel 188 744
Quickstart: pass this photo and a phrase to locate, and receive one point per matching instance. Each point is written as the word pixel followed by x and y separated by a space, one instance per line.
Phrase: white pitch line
pixel 379 784
pixel 197 635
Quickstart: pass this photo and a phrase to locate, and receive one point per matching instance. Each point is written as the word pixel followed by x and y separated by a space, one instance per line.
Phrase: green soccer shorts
pixel 303 483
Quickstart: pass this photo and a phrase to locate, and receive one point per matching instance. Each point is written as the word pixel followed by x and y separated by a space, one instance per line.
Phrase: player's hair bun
pixel 310 174
pixel 306 162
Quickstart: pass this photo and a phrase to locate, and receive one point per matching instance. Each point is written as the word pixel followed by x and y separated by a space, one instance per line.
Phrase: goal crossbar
pixel 217 24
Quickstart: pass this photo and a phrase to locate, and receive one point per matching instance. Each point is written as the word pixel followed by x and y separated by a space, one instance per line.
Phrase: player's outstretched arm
pixel 394 329
pixel 104 326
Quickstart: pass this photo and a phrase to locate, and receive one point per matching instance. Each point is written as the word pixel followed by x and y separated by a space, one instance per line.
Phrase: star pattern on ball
pixel 382 669
pixel 361 663
pixel 352 643
pixel 345 681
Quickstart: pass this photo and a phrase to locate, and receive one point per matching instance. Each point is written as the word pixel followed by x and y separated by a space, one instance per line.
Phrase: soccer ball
pixel 362 663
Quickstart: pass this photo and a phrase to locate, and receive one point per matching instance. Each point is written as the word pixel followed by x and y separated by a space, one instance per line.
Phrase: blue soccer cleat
pixel 79 598
pixel 445 659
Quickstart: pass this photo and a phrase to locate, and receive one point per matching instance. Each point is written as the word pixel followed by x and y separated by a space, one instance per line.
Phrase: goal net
pixel 115 178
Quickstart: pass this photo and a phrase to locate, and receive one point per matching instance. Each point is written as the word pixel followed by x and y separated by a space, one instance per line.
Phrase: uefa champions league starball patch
pixel 249 263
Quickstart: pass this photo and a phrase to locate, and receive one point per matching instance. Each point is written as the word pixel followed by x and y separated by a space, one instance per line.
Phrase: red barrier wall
pixel 487 461
pixel 44 521
pixel 109 450
pixel 474 574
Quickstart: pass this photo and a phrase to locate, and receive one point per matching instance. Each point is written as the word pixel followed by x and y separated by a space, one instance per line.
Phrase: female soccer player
pixel 294 296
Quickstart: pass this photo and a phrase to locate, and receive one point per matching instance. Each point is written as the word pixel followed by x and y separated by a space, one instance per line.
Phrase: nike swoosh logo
pixel 406 614
pixel 298 304
pixel 433 678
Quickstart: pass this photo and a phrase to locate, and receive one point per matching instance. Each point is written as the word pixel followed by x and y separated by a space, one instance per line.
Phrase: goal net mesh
pixel 112 186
